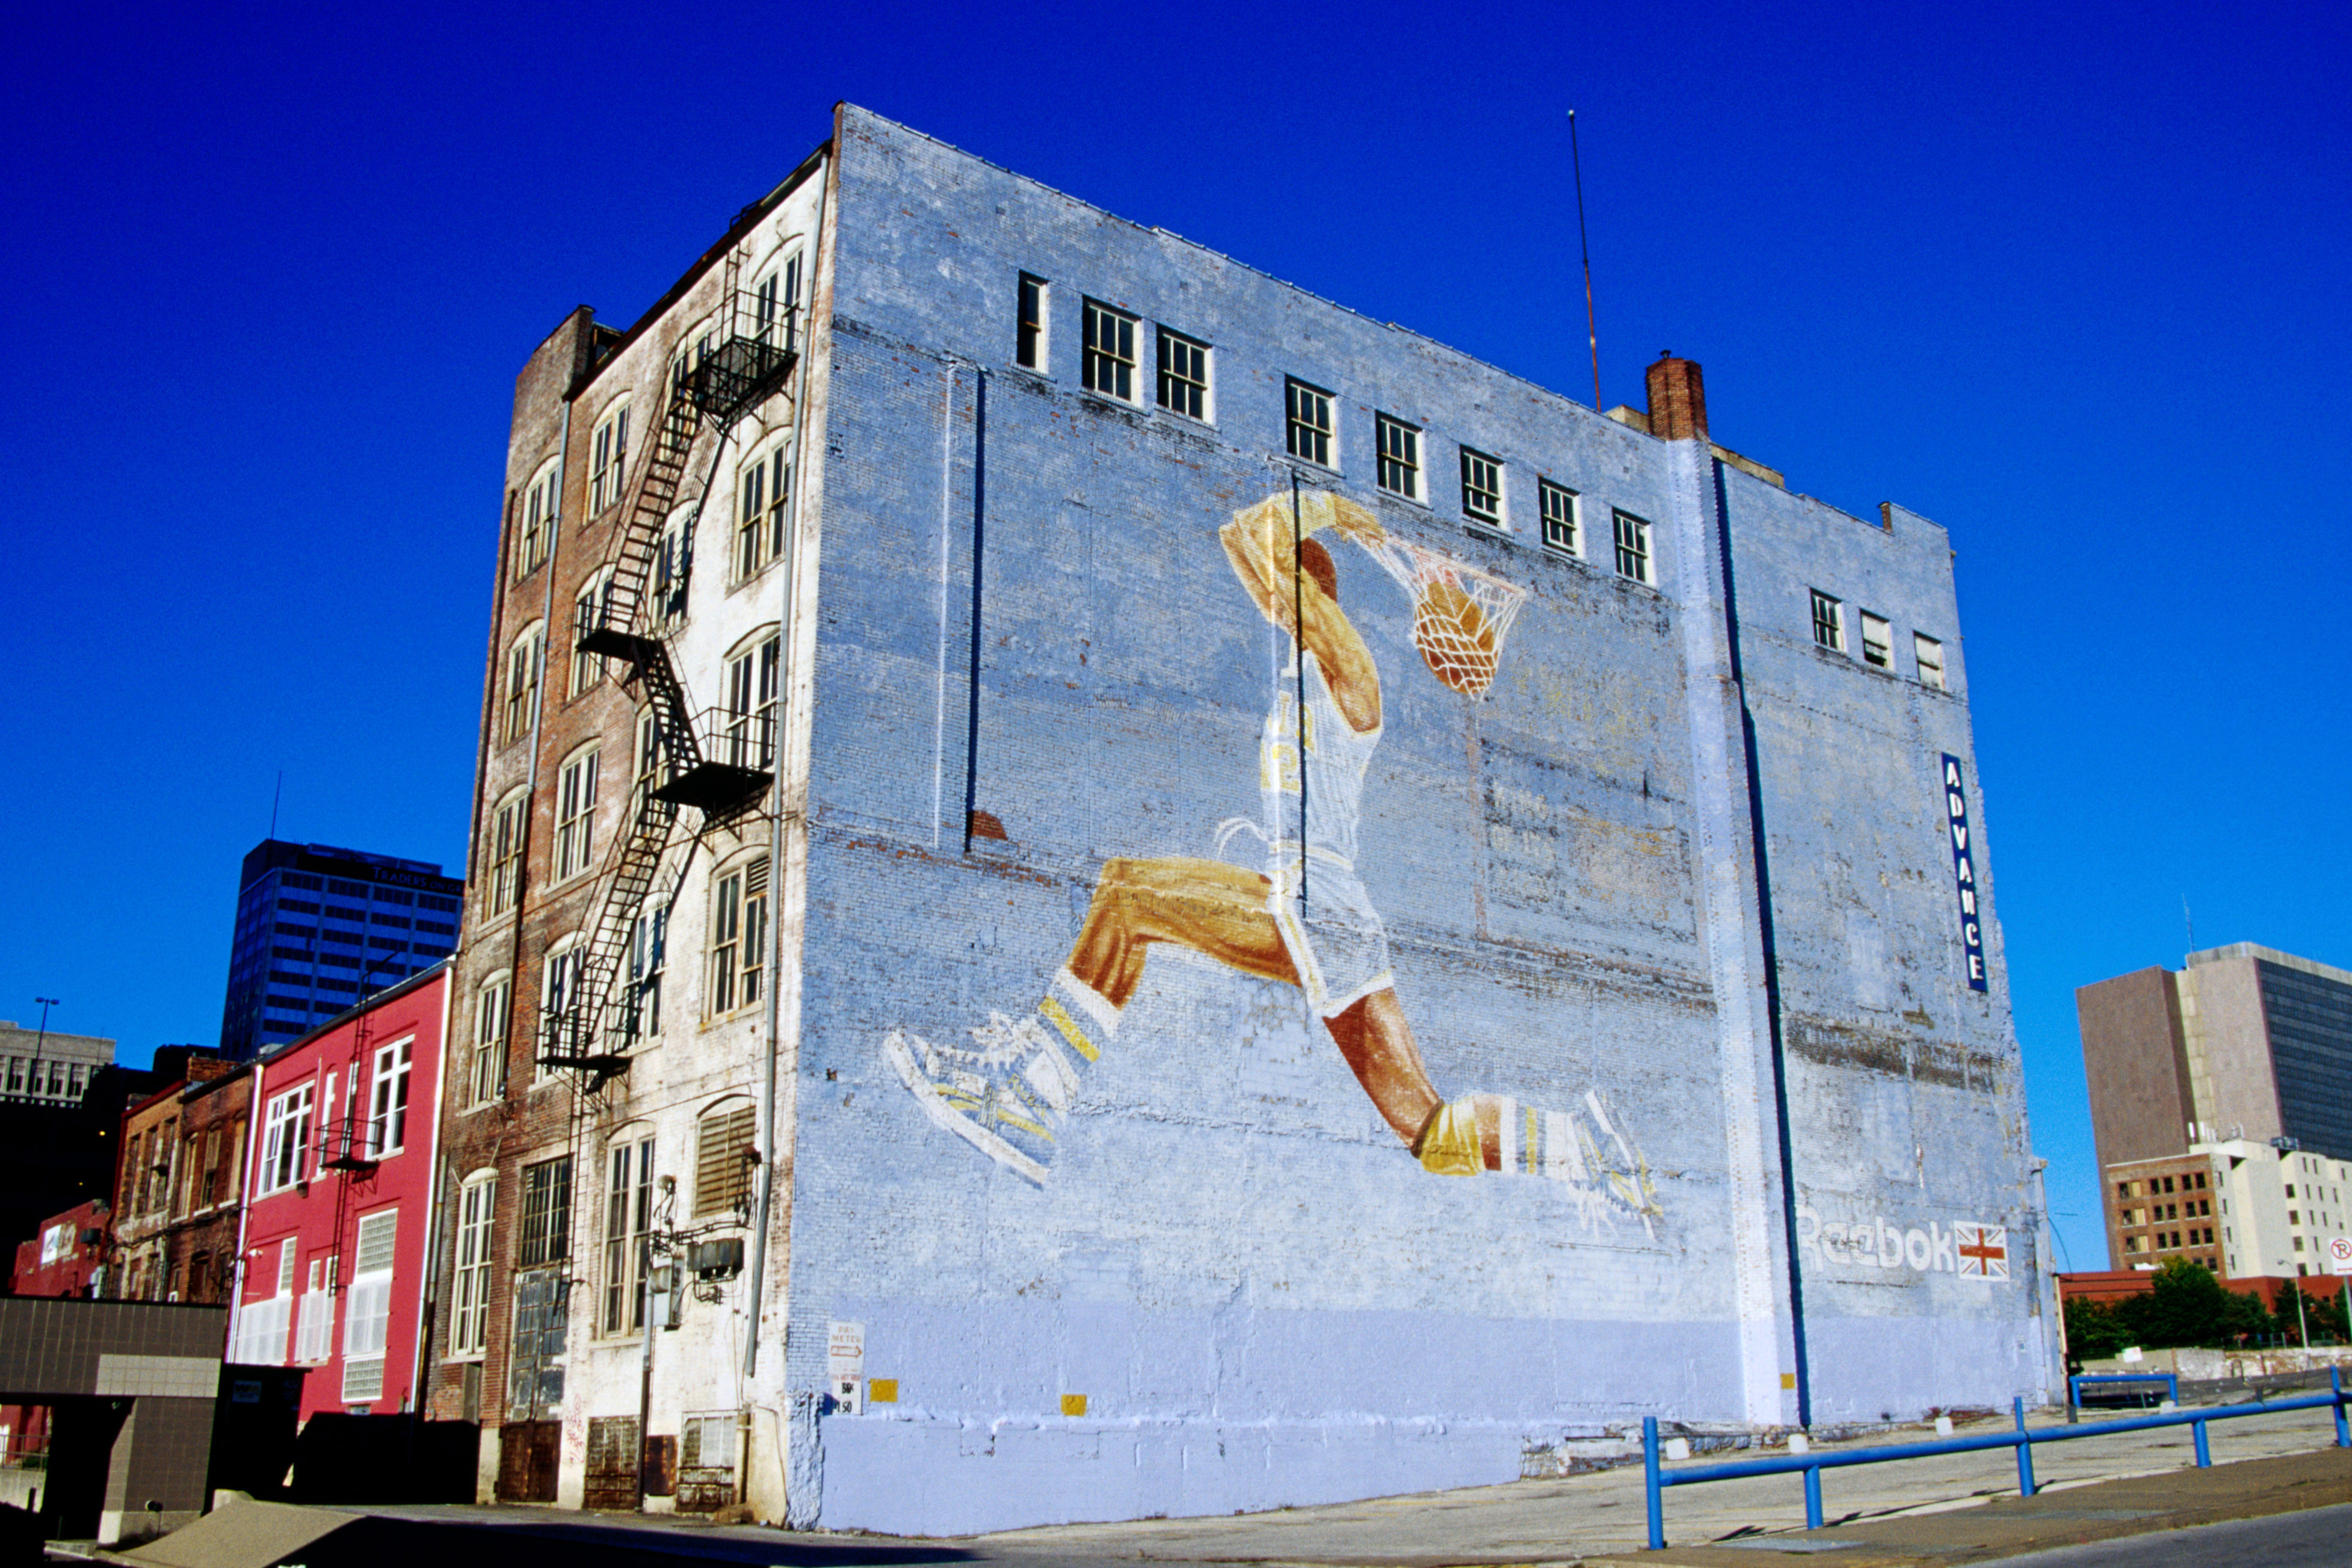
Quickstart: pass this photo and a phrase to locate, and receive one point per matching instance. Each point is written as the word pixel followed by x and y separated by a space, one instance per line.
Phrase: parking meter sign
pixel 2339 1256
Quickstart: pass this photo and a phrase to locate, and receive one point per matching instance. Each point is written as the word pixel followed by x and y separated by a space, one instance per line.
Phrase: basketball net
pixel 1461 614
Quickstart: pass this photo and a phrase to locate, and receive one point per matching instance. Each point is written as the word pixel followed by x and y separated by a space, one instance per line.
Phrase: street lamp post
pixel 34 1084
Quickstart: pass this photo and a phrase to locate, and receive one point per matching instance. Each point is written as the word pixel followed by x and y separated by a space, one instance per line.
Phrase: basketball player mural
pixel 1010 1093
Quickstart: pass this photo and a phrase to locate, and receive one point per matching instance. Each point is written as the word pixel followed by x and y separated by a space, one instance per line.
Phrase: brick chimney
pixel 1677 400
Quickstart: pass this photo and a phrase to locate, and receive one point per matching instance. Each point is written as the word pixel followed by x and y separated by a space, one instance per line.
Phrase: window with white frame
pixel 469 1315
pixel 723 1155
pixel 1632 546
pixel 285 1139
pixel 314 1324
pixel 608 458
pixel 694 350
pixel 388 1099
pixel 1482 488
pixel 1877 641
pixel 1108 366
pixel 367 1311
pixel 575 814
pixel 1029 324
pixel 1306 421
pixel 522 682
pixel 763 499
pixel 739 937
pixel 506 852
pixel 1557 503
pixel 747 732
pixel 1929 655
pixel 1183 374
pixel 262 1323
pixel 1399 449
pixel 559 980
pixel 629 1217
pixel 648 937
pixel 588 610
pixel 673 573
pixel 486 1078
pixel 535 534
pixel 775 300
pixel 1829 622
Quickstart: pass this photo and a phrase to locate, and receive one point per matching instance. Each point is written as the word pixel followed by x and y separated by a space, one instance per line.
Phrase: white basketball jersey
pixel 1337 757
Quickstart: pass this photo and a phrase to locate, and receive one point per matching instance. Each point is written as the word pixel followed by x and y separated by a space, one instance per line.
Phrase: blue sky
pixel 2070 281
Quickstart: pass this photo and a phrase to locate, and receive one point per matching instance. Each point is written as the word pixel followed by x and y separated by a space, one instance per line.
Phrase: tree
pixel 2093 1331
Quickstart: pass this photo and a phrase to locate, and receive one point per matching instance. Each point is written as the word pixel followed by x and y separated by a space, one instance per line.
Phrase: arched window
pixel 754 674
pixel 608 460
pixel 738 936
pixel 628 1221
pixel 506 851
pixel 764 504
pixel 724 1155
pixel 575 814
pixel 486 1069
pixel 535 535
pixel 589 608
pixel 470 1313
pixel 558 1031
pixel 523 660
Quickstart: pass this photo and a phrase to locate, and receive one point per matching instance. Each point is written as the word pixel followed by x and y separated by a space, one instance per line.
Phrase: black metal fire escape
pixel 743 362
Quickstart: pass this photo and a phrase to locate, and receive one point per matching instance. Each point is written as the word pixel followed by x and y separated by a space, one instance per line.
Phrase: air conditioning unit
pixel 721 1260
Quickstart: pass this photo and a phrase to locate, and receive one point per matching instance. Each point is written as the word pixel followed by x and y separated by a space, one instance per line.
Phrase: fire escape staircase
pixel 732 372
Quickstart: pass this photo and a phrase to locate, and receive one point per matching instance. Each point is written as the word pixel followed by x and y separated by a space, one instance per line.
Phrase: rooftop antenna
pixel 276 790
pixel 1592 332
pixel 2190 921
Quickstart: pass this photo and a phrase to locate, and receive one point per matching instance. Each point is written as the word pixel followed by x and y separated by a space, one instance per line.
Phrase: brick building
pixel 2221 1103
pixel 1066 1047
pixel 178 1188
pixel 339 1200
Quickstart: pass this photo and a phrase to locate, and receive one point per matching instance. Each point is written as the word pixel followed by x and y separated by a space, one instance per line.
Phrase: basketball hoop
pixel 1461 614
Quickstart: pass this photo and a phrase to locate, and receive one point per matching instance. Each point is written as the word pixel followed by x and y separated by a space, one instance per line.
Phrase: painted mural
pixel 1278 896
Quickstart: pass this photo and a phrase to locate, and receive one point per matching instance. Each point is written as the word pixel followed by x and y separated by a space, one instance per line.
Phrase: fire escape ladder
pixel 575 1038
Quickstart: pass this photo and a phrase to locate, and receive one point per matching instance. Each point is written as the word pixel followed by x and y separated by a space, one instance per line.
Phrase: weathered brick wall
pixel 1260 1294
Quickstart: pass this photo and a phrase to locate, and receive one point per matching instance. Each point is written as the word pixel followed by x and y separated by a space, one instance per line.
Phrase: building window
pixel 694 350
pixel 1306 421
pixel 469 1318
pixel 739 938
pixel 723 1157
pixel 485 1079
pixel 1400 446
pixel 1829 623
pixel 575 815
pixel 537 537
pixel 1482 489
pixel 559 980
pixel 367 1314
pixel 1029 332
pixel 522 682
pixel 648 937
pixel 1633 547
pixel 648 775
pixel 764 495
pixel 1109 364
pixel 628 1216
pixel 1183 374
pixel 506 852
pixel 546 1212
pixel 589 612
pixel 673 573
pixel 748 735
pixel 1558 504
pixel 608 462
pixel 286 1139
pixel 775 302
pixel 314 1318
pixel 388 1100
pixel 1877 642
pixel 1930 655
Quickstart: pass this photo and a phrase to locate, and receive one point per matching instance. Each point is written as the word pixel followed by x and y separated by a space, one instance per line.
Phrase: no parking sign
pixel 2339 1256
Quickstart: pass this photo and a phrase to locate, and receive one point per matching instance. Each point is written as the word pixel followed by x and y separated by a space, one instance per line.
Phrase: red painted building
pixel 339 1202
pixel 67 1257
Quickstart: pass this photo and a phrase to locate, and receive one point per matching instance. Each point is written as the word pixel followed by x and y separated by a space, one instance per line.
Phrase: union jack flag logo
pixel 1984 1251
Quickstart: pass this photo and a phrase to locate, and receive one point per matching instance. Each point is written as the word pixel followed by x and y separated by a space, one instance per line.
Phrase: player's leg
pixel 1215 909
pixel 1375 1038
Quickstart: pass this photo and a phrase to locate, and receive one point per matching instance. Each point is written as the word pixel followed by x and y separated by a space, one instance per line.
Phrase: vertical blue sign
pixel 1964 871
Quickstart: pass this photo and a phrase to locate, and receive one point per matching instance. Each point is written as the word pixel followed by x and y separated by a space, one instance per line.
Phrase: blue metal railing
pixel 2075 1384
pixel 1810 1466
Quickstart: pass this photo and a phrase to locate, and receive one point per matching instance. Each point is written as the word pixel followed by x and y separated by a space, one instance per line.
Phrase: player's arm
pixel 1256 544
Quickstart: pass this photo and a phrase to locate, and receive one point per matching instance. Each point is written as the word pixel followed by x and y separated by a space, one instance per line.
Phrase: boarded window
pixel 723 1156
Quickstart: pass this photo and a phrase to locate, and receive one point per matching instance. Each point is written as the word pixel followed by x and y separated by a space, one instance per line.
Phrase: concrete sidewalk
pixel 1600 1516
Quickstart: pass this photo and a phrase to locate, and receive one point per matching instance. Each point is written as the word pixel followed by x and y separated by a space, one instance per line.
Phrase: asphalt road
pixel 2319 1538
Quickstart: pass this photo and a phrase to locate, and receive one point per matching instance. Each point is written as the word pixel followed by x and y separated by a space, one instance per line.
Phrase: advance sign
pixel 1964 872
